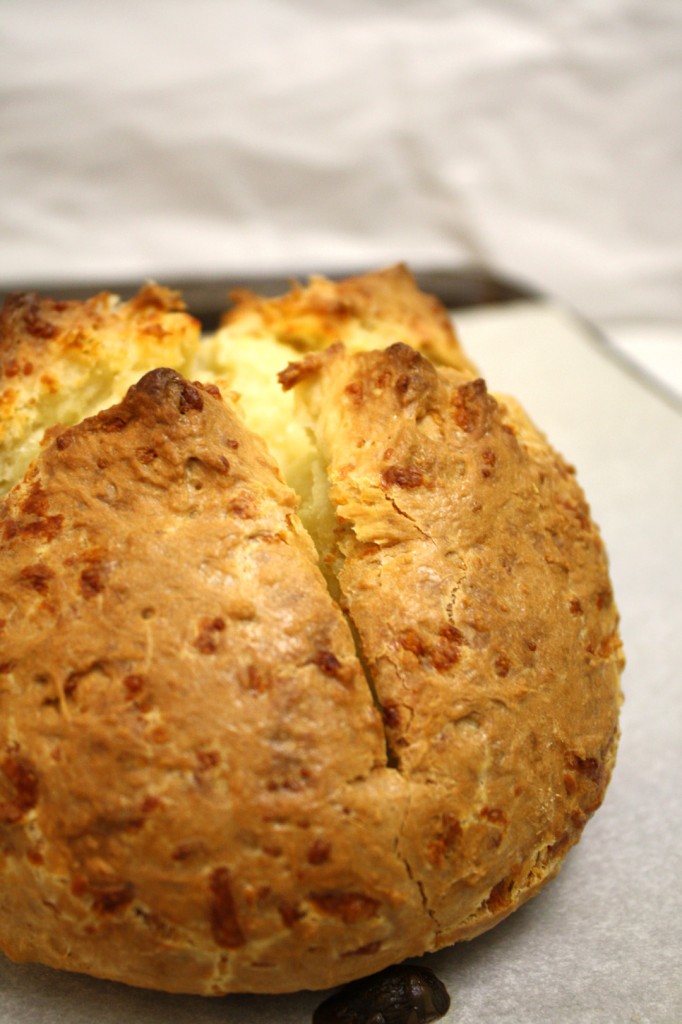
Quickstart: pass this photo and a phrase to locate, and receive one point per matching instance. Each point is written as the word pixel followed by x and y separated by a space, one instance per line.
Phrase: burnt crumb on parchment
pixel 403 994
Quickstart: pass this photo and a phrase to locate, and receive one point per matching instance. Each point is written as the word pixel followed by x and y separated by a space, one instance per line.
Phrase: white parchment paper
pixel 603 943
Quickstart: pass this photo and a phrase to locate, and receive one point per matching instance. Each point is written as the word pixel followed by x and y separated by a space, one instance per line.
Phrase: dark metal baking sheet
pixel 208 297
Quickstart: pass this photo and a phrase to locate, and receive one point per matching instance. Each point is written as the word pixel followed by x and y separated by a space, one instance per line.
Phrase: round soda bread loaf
pixel 259 740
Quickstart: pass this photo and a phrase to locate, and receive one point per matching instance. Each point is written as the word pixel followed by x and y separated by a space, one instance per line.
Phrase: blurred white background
pixel 166 138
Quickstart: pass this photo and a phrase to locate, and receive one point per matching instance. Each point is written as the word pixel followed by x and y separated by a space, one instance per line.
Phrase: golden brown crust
pixel 214 776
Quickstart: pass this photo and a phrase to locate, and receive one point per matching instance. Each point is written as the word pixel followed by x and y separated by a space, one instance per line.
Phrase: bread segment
pixel 62 361
pixel 478 587
pixel 184 726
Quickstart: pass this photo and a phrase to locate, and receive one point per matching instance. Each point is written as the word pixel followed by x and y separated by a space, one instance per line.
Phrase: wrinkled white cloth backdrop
pixel 164 137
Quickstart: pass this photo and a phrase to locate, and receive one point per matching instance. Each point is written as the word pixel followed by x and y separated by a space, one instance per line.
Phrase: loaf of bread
pixel 309 657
